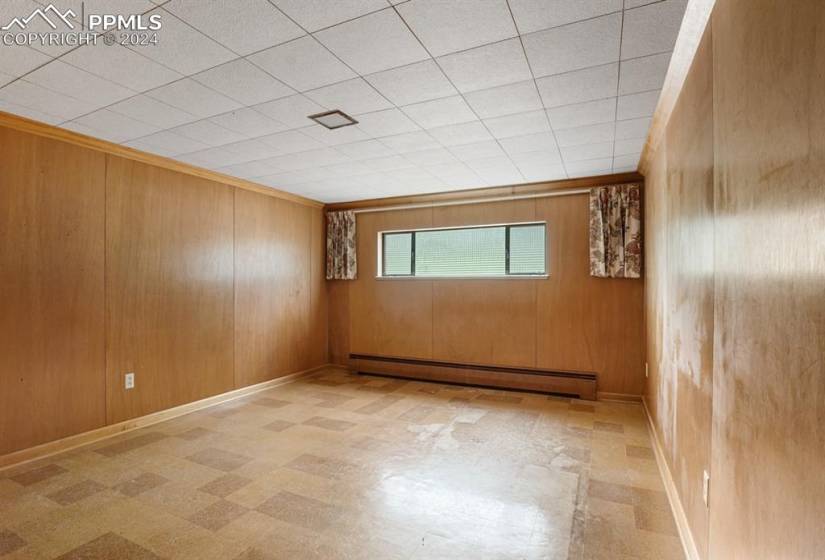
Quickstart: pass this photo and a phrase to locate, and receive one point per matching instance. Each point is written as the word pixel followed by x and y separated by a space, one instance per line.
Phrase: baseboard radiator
pixel 571 383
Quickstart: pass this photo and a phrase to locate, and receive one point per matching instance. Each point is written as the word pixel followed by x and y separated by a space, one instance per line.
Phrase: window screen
pixel 517 249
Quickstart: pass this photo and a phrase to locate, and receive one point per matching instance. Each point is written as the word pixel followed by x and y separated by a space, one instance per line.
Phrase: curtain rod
pixel 505 198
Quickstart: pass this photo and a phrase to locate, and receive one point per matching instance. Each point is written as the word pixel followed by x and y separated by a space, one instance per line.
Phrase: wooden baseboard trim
pixel 619 397
pixel 685 535
pixel 43 450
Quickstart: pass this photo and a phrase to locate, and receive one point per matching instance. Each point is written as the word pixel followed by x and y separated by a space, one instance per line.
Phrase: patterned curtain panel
pixel 615 232
pixel 341 261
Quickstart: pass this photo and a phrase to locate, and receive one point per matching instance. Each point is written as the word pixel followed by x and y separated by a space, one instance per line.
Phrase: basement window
pixel 494 251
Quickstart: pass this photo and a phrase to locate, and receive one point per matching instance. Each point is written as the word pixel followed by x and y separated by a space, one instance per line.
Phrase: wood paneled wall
pixel 109 266
pixel 51 290
pixel 569 321
pixel 736 269
pixel 679 233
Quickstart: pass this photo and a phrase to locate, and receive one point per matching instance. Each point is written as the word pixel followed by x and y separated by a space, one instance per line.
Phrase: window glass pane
pixel 527 249
pixel 460 252
pixel 397 254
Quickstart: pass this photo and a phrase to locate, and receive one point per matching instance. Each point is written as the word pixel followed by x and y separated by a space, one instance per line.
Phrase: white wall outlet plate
pixel 129 380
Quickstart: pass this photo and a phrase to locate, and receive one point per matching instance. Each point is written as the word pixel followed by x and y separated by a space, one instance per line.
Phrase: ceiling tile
pixel 505 100
pixel 24 60
pixel 575 46
pixel 293 111
pixel 534 15
pixel 167 143
pixel 251 150
pixel 115 127
pixel 212 157
pixel 464 133
pixel 337 136
pixel 478 150
pixel 632 128
pixel 121 66
pixel 542 171
pixel 16 109
pixel 244 82
pixel 636 3
pixel 302 64
pixel 309 159
pixel 517 125
pixel 440 112
pixel 352 97
pixel 591 134
pixel 457 175
pixel 629 146
pixel 62 78
pixel 386 123
pixel 488 66
pixel 587 151
pixel 637 105
pixel 497 171
pixel 365 150
pixel 182 48
pixel 643 74
pixel 152 111
pixel 290 142
pixel 208 133
pixel 388 163
pixel 195 98
pixel 414 83
pixel 244 26
pixel 598 82
pixel 248 122
pixel 652 29
pixel 373 43
pixel 541 142
pixel 628 160
pixel 582 114
pixel 348 169
pixel 247 170
pixel 46 101
pixel 589 167
pixel 313 15
pixel 434 156
pixel 545 157
pixel 410 142
pixel 446 27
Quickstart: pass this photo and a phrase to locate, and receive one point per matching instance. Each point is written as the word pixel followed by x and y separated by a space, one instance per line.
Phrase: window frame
pixel 381 275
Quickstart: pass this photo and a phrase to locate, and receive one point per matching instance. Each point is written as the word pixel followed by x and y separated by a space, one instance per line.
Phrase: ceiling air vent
pixel 333 119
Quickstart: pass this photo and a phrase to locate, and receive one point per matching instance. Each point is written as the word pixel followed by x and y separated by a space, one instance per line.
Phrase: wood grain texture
pixel 391 318
pixel 768 493
pixel 586 323
pixel 680 255
pixel 567 322
pixel 273 241
pixel 169 288
pixel 51 290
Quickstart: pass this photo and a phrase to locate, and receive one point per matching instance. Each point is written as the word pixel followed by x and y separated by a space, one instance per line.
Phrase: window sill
pixel 502 277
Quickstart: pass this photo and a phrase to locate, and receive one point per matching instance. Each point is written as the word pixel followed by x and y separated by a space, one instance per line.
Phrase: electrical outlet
pixel 705 486
pixel 130 380
pixel 646 371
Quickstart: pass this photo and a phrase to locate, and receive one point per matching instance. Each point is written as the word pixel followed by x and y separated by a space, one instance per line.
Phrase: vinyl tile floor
pixel 341 466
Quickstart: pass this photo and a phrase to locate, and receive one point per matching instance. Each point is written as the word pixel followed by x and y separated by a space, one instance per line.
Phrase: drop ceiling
pixel 448 94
